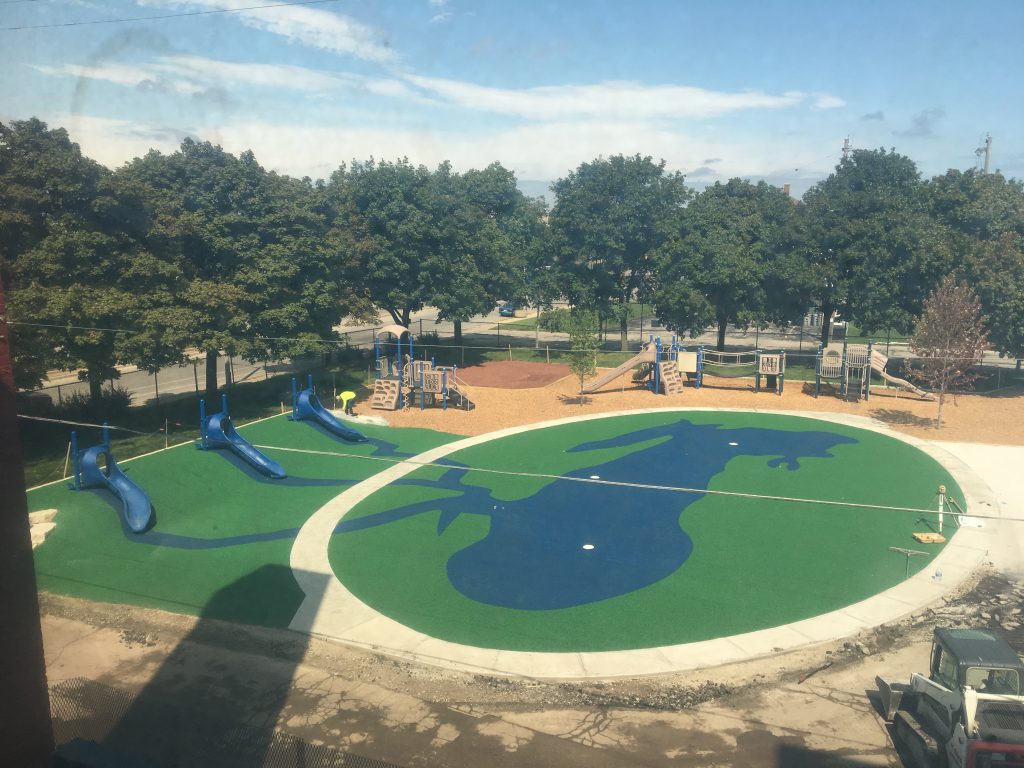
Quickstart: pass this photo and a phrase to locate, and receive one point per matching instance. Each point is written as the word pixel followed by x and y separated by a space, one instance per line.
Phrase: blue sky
pixel 762 89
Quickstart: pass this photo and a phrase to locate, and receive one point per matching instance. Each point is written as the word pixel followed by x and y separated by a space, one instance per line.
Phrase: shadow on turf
pixel 291 481
pixel 200 707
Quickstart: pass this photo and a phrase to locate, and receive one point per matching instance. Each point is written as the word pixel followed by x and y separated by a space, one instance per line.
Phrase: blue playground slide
pixel 136 507
pixel 309 407
pixel 220 433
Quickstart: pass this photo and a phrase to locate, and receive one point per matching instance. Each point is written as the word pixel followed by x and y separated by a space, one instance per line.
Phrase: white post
pixel 942 504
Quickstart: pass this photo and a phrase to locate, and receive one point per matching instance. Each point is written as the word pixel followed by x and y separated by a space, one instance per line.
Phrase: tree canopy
pixel 256 279
pixel 609 219
pixel 202 249
pixel 983 217
pixel 874 250
pixel 731 261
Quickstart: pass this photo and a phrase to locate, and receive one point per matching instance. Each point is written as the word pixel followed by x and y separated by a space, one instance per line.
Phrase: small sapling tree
pixel 583 346
pixel 949 339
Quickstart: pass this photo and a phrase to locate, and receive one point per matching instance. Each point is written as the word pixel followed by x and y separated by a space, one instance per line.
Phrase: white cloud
pixel 311 27
pixel 113 142
pixel 607 100
pixel 189 75
pixel 128 75
pixel 826 101
pixel 541 151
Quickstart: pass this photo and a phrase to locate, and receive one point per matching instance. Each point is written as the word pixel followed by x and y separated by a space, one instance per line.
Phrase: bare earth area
pixel 995 419
pixel 805 708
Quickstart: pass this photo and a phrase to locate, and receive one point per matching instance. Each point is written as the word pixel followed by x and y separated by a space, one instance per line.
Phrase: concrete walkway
pixel 330 610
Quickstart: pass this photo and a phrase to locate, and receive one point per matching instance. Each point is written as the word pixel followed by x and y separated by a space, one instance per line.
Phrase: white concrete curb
pixel 331 611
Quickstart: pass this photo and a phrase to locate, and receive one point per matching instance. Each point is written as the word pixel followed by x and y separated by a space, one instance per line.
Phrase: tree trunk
pixel 457 324
pixel 407 318
pixel 938 414
pixel 827 310
pixel 95 386
pixel 211 377
pixel 623 330
pixel 721 334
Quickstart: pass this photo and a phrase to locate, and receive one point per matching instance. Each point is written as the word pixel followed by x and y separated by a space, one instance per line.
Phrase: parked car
pixel 509 309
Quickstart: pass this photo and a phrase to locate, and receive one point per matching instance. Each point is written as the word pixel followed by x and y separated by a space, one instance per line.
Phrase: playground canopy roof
pixel 394 330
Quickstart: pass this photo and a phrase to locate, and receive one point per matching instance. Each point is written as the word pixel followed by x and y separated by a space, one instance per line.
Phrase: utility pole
pixel 846 147
pixel 986 152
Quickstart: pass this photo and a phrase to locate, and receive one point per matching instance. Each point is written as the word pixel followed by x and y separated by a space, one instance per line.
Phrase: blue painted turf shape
pixel 533 555
pixel 136 508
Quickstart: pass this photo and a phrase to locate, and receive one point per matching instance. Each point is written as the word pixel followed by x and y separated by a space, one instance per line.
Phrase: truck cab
pixel 977 659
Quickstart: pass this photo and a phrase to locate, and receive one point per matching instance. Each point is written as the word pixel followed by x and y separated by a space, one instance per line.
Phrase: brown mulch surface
pixel 995 419
pixel 513 374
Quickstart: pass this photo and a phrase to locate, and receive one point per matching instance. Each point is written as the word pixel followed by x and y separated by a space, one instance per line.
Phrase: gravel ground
pixel 992 418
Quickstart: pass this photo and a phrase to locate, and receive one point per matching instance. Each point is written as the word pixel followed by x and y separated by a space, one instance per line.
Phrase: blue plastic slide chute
pixel 306 406
pixel 136 507
pixel 218 432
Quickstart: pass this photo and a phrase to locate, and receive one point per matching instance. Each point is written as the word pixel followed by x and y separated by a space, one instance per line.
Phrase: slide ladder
pixel 671 379
pixel 878 363
pixel 385 394
pixel 646 355
pixel 458 397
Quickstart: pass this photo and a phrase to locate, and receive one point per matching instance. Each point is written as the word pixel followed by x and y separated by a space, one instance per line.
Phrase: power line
pixel 84 424
pixel 636 486
pixel 161 16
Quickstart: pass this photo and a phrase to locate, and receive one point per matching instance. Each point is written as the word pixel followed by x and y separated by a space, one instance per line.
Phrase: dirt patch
pixel 967 418
pixel 513 374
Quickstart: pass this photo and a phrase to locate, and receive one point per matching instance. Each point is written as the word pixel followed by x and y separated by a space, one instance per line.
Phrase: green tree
pixel 416 238
pixel 382 228
pixel 949 339
pixel 46 185
pixel 983 216
pixel 732 262
pixel 582 353
pixel 486 229
pixel 609 219
pixel 875 250
pixel 81 280
pixel 256 278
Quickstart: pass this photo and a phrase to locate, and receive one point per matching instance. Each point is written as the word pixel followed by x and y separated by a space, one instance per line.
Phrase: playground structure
pixel 661 368
pixel 217 431
pixel 306 406
pixel 849 370
pixel 402 381
pixel 136 507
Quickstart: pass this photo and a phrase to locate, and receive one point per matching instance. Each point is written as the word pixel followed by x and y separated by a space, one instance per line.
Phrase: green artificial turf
pixel 756 563
pixel 205 494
